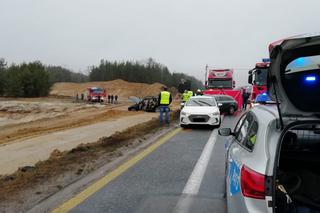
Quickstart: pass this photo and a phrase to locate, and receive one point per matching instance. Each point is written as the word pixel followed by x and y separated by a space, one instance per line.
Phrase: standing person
pixel 165 100
pixel 112 98
pixel 185 96
pixel 245 97
pixel 199 92
pixel 108 98
pixel 190 93
pixel 115 98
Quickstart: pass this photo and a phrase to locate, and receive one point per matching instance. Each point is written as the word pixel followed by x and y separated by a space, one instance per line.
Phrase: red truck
pixel 96 94
pixel 220 82
pixel 258 79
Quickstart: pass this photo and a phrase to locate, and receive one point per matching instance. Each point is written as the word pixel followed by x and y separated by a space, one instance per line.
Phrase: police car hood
pixel 294 76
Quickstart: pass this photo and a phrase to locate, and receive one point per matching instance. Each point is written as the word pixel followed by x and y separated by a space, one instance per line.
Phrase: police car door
pixel 237 152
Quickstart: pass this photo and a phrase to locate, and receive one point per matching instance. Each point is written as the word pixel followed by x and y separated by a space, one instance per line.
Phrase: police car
pixel 273 153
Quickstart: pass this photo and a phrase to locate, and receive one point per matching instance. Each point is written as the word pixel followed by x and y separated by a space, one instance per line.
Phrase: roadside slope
pixel 32 150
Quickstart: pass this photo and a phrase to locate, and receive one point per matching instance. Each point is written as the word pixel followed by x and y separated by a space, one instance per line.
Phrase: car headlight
pixel 183 113
pixel 215 113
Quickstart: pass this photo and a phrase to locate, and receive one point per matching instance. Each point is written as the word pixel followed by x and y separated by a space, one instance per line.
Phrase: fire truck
pixel 220 82
pixel 96 94
pixel 258 79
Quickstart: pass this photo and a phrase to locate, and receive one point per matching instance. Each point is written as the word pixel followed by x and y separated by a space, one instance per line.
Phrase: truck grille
pixel 199 118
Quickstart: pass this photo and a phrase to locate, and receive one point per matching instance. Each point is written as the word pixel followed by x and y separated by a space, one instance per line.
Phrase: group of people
pixel 113 99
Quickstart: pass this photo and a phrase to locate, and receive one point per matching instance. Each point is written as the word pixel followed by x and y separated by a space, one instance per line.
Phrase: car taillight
pixel 252 183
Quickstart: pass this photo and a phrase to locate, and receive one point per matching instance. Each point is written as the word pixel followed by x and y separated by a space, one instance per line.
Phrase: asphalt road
pixel 185 174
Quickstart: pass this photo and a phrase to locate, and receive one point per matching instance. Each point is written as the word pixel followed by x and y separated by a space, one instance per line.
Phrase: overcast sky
pixel 185 35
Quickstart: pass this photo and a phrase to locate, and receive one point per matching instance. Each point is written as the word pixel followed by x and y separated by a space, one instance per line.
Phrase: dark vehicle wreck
pixel 148 103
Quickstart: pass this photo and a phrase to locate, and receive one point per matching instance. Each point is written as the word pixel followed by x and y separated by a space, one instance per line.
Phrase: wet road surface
pixel 184 174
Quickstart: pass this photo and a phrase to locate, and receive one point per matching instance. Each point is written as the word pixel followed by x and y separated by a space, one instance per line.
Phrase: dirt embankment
pixel 118 87
pixel 22 119
pixel 29 185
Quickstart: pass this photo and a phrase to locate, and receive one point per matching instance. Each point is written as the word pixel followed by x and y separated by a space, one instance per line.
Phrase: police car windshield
pixel 201 102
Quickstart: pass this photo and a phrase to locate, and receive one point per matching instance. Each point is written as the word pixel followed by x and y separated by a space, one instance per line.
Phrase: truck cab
pixel 220 78
pixel 220 82
pixel 96 94
pixel 258 79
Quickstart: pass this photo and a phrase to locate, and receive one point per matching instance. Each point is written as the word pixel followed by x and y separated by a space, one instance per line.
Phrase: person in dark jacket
pixel 115 99
pixel 111 97
pixel 164 102
pixel 245 97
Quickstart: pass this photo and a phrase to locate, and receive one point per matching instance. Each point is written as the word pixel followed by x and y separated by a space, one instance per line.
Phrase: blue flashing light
pixel 262 98
pixel 300 61
pixel 310 78
pixel 266 60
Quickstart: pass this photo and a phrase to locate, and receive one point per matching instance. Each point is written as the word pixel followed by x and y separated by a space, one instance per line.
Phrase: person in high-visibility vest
pixel 165 100
pixel 190 93
pixel 185 96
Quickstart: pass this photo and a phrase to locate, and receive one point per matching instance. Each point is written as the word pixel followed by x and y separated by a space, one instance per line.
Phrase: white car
pixel 200 110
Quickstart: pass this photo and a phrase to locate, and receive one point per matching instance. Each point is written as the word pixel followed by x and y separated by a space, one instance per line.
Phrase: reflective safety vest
pixel 190 94
pixel 185 97
pixel 253 139
pixel 165 97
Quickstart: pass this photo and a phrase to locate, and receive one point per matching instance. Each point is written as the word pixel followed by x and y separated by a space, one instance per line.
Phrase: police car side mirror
pixel 225 132
pixel 182 104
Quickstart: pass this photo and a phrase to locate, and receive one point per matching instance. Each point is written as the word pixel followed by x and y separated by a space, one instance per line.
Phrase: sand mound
pixel 118 87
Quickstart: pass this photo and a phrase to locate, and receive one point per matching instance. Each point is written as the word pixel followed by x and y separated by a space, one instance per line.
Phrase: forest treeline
pixel 149 72
pixel 35 79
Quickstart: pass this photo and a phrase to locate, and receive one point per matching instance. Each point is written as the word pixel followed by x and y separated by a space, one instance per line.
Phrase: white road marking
pixel 195 179
pixel 194 182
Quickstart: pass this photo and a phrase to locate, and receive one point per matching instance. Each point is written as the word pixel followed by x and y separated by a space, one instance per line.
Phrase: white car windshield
pixel 201 102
